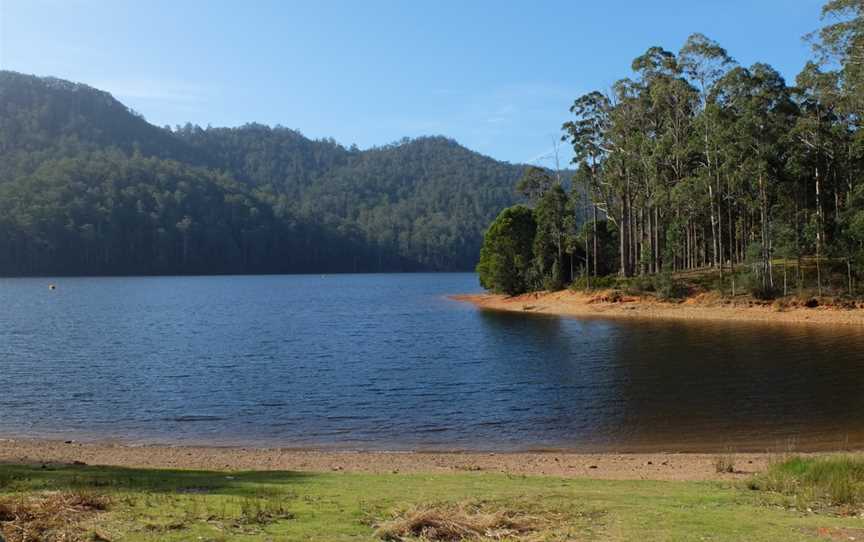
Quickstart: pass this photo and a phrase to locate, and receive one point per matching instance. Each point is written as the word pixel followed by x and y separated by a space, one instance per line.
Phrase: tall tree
pixel 705 62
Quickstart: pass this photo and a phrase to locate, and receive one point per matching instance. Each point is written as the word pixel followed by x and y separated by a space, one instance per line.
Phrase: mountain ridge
pixel 415 204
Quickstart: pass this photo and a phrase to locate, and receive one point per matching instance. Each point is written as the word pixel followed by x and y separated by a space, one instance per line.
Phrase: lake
pixel 388 362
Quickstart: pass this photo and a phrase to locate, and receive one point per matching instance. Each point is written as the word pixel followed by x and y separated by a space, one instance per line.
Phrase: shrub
pixel 764 293
pixel 596 283
pixel 750 281
pixel 553 282
pixel 663 284
pixel 667 287
pixel 639 285
pixel 835 480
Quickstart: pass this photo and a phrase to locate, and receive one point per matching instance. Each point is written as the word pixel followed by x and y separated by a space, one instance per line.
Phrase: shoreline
pixel 602 466
pixel 704 307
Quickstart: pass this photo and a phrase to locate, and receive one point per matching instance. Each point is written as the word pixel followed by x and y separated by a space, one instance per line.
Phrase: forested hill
pixel 88 186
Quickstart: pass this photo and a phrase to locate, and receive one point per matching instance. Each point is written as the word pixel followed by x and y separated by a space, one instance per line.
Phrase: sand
pixel 607 466
pixel 702 307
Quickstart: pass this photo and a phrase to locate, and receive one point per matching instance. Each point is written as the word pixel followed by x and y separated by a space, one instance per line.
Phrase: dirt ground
pixel 611 466
pixel 701 307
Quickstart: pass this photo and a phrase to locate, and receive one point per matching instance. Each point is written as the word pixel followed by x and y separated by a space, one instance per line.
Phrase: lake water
pixel 388 362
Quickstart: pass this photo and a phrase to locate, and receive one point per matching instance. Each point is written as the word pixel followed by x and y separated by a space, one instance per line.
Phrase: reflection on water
pixel 385 361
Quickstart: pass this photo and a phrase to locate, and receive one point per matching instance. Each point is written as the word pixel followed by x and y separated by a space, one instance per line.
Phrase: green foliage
pixel 534 183
pixel 668 288
pixel 639 284
pixel 663 285
pixel 814 481
pixel 751 281
pixel 551 238
pixel 89 187
pixel 106 213
pixel 595 283
pixel 702 163
pixel 506 255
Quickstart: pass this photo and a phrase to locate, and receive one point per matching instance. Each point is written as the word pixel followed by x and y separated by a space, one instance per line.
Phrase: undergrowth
pixel 816 482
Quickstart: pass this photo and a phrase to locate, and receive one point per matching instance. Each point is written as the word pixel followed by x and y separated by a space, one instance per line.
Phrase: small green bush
pixel 750 281
pixel 553 283
pixel 596 283
pixel 663 284
pixel 640 285
pixel 667 287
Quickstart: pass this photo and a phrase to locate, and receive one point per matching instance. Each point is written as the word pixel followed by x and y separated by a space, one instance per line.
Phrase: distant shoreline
pixel 705 307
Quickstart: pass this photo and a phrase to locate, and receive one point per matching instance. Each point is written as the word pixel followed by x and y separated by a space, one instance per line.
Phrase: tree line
pixel 696 162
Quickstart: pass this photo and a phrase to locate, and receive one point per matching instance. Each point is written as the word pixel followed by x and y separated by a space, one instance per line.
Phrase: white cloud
pixel 167 92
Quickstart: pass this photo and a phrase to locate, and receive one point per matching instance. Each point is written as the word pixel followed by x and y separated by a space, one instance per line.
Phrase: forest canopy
pixel 88 186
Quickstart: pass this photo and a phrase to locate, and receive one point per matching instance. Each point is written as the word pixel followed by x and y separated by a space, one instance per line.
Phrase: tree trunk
pixel 594 207
pixel 713 222
pixel 766 251
pixel 819 232
pixel 658 261
pixel 623 237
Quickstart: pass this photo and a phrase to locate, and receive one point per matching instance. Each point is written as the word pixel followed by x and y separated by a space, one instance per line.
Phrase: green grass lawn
pixel 258 506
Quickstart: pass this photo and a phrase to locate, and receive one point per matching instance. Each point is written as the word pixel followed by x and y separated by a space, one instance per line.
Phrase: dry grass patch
pixel 725 462
pixel 836 534
pixel 50 517
pixel 461 522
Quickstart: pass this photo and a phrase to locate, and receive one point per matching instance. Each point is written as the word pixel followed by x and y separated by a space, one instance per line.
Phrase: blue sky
pixel 496 75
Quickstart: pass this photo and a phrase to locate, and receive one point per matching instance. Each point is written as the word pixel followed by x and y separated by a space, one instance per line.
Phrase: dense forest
pixel 696 162
pixel 87 186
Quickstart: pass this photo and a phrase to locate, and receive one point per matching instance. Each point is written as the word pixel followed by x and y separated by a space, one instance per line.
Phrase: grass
pixel 833 482
pixel 170 505
pixel 669 286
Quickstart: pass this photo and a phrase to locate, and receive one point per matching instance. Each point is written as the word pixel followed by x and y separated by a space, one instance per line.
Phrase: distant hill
pixel 87 186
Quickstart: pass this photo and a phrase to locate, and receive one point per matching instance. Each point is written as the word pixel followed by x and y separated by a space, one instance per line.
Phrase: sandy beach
pixel 608 466
pixel 702 307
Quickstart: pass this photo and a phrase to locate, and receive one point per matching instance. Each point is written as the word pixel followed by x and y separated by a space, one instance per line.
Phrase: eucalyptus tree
pixel 535 182
pixel 840 44
pixel 587 134
pixel 850 235
pixel 705 62
pixel 821 141
pixel 551 214
pixel 666 103
pixel 761 114
pixel 834 84
pixel 618 193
